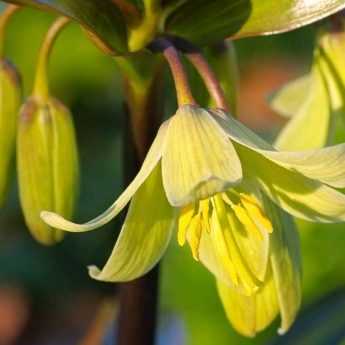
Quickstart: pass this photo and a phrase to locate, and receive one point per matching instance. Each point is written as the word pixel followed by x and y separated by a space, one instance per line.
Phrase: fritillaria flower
pixel 222 190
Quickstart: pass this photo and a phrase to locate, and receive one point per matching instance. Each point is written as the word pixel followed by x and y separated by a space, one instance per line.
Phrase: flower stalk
pixel 5 17
pixel 41 83
pixel 195 56
pixel 183 91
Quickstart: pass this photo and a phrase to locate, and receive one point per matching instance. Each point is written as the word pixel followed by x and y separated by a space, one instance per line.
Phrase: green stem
pixel 5 17
pixel 41 88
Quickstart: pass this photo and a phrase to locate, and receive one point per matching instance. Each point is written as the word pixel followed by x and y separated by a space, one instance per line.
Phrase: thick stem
pixel 144 107
pixel 41 89
pixel 5 16
pixel 138 313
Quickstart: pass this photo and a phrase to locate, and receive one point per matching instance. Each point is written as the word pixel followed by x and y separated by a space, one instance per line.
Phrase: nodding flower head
pixel 211 179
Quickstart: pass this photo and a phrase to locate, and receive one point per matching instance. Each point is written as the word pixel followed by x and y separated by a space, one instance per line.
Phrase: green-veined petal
pixel 149 164
pixel 298 195
pixel 199 161
pixel 326 165
pixel 145 234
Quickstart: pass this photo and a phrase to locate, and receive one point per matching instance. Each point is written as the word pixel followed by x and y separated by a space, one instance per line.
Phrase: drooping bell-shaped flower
pixel 207 176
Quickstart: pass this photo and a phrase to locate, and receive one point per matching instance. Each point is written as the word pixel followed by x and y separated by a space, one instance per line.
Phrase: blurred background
pixel 46 296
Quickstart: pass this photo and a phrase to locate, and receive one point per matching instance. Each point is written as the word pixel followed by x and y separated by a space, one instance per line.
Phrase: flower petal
pixel 220 252
pixel 286 264
pixel 288 100
pixel 149 164
pixel 298 195
pixel 145 234
pixel 250 314
pixel 254 247
pixel 326 165
pixel 311 127
pixel 199 160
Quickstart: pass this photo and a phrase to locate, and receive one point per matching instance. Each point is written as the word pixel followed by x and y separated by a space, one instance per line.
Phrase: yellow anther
pixel 255 211
pixel 194 236
pixel 227 200
pixel 247 221
pixel 183 224
pixel 206 214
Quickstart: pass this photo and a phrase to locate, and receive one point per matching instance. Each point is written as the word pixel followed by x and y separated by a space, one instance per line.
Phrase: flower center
pixel 210 213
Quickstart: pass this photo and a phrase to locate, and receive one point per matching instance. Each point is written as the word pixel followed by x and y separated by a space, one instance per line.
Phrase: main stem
pixel 139 298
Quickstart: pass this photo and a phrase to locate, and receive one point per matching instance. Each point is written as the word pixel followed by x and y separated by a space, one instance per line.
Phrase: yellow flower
pixel 213 180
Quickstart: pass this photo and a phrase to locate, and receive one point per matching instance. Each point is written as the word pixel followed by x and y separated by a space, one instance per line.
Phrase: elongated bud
pixel 47 165
pixel 10 99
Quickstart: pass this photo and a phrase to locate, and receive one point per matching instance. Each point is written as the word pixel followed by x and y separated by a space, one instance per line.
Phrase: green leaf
pixel 102 19
pixel 204 21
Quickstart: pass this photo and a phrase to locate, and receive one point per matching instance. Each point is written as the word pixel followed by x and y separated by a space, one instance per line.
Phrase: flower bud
pixel 10 98
pixel 47 162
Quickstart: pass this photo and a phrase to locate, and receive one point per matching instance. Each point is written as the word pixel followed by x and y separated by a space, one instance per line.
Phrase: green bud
pixel 47 162
pixel 10 98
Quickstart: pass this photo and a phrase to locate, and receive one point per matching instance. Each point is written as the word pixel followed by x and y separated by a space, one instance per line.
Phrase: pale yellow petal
pixel 254 249
pixel 199 159
pixel 145 234
pixel 288 100
pixel 221 254
pixel 326 165
pixel 298 195
pixel 250 314
pixel 311 127
pixel 286 264
pixel 149 164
